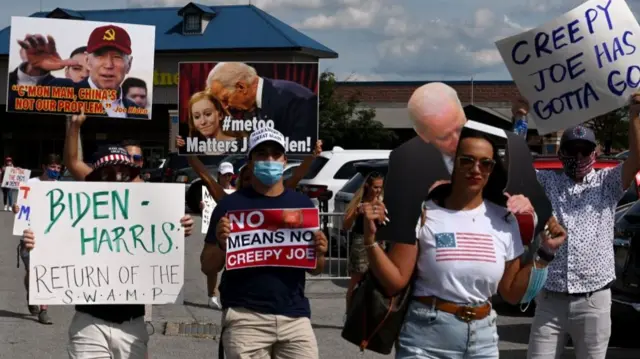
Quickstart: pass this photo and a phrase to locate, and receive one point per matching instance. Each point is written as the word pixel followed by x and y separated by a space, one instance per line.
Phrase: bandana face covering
pixel 578 168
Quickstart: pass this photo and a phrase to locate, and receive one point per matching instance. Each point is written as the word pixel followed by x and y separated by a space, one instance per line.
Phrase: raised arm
pixel 521 282
pixel 78 169
pixel 300 171
pixel 392 270
pixel 214 188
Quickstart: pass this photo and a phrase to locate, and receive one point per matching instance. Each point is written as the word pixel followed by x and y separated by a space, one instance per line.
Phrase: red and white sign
pixel 272 237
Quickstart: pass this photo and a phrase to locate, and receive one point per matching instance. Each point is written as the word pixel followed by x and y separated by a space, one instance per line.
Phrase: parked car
pixel 626 246
pixel 332 169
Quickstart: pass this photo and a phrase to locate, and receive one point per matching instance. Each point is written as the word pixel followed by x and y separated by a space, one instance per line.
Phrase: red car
pixel 553 163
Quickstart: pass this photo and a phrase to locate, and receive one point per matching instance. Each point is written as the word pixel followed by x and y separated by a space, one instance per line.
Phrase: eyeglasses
pixel 484 164
pixel 136 158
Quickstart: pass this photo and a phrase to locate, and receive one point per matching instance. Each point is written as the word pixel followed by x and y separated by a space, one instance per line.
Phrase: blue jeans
pixel 428 333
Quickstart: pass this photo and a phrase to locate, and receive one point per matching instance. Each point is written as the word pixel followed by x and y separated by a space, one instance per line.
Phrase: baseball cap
pixel 109 36
pixel 111 156
pixel 265 134
pixel 578 133
pixel 225 168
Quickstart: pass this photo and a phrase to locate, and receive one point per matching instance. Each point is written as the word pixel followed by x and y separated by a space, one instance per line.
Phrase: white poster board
pixel 58 89
pixel 14 176
pixel 209 204
pixel 106 243
pixel 581 65
pixel 207 209
pixel 22 219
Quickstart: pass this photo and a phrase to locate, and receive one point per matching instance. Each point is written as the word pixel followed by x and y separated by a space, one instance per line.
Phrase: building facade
pixel 192 33
pixel 488 102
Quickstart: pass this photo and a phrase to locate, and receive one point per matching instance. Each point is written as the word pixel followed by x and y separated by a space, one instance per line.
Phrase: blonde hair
pixel 197 97
pixel 359 195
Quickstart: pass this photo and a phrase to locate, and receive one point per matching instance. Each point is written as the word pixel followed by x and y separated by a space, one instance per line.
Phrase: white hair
pixel 215 69
pixel 431 99
pixel 228 74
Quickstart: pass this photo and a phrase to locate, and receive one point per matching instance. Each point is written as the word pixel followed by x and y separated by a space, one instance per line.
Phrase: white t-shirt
pixel 463 253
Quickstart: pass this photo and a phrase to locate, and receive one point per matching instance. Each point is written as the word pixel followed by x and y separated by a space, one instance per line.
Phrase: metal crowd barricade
pixel 337 258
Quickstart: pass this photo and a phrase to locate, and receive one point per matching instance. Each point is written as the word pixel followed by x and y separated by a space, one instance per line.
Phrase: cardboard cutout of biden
pixel 416 165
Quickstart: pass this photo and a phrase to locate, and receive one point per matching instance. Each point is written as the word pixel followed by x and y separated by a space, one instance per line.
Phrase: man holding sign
pixel 576 299
pixel 269 238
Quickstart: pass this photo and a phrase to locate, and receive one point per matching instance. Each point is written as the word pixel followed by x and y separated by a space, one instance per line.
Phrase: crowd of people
pixel 467 246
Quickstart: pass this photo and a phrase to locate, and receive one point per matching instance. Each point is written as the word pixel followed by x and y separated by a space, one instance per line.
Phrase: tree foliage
pixel 345 123
pixel 612 130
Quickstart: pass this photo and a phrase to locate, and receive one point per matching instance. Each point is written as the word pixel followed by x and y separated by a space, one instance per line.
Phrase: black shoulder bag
pixel 374 319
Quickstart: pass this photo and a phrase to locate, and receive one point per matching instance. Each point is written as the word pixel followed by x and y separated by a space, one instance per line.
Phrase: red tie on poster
pixel 272 237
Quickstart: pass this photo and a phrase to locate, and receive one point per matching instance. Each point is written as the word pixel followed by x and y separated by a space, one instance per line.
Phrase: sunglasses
pixel 573 151
pixel 136 158
pixel 484 164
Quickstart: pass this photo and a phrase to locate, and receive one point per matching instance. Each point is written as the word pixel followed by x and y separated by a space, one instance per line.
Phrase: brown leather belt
pixel 463 312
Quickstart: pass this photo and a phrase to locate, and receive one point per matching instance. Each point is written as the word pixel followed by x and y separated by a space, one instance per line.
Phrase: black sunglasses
pixel 575 150
pixel 484 164
pixel 136 158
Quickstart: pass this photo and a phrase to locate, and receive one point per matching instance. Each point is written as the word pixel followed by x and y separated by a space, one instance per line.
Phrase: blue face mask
pixel 53 174
pixel 268 172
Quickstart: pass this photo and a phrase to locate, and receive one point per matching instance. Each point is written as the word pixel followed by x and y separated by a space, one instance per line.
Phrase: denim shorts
pixel 428 333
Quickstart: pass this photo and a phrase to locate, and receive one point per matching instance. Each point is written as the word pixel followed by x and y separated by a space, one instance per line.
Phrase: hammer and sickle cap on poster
pixel 109 36
pixel 266 134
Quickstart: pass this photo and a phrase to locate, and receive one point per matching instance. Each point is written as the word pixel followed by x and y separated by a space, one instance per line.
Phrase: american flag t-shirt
pixel 465 247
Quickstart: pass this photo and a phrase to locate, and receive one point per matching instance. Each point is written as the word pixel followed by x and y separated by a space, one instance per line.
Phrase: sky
pixel 383 40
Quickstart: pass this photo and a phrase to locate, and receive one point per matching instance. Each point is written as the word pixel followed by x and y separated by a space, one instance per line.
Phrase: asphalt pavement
pixel 22 337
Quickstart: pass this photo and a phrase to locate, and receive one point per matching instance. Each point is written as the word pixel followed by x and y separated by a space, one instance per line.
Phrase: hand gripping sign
pixel 272 237
pixel 416 165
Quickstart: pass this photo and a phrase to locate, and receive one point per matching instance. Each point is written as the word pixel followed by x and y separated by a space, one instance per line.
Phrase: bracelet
pixel 372 245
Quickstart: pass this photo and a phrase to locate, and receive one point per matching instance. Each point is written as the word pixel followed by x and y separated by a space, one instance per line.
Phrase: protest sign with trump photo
pixel 60 66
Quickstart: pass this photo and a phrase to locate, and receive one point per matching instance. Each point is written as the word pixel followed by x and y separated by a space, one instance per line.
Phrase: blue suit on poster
pixel 292 107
